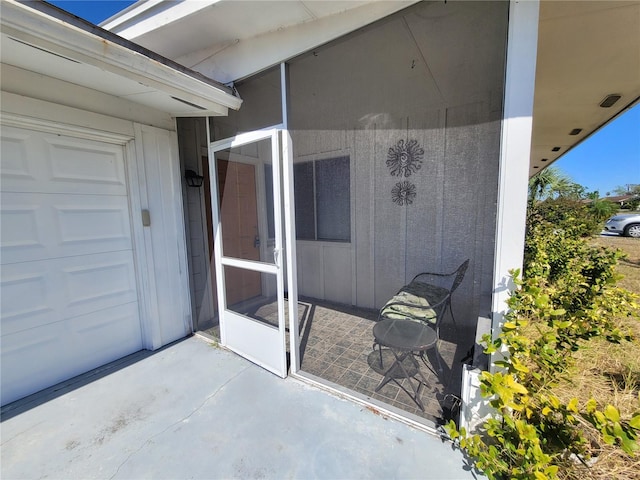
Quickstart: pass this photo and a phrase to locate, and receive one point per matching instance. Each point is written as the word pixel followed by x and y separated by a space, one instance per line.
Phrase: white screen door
pixel 248 249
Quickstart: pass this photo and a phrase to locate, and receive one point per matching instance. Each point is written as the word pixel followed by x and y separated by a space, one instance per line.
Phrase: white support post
pixel 513 180
pixel 217 236
pixel 290 226
pixel 515 149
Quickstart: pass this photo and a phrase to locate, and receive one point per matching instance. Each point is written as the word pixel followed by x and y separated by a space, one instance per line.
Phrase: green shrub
pixel 568 295
pixel 571 216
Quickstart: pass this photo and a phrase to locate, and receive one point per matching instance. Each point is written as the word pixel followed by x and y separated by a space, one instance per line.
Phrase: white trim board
pixel 39 111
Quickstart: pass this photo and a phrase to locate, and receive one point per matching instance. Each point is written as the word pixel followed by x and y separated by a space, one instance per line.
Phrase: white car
pixel 627 224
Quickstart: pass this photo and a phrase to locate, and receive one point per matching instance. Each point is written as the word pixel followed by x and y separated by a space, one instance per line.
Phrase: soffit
pixel 586 50
pixel 215 22
pixel 229 39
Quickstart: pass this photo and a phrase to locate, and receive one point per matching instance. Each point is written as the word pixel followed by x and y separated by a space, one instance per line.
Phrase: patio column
pixel 517 123
pixel 515 150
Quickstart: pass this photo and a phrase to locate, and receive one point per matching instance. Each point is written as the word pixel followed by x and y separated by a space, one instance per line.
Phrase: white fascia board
pixel 119 18
pixel 152 15
pixel 246 57
pixel 517 126
pixel 41 30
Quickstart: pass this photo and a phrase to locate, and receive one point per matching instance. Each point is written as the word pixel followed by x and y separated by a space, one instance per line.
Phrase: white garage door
pixel 69 300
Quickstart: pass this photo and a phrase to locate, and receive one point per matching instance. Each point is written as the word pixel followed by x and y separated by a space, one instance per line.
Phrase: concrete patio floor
pixel 193 410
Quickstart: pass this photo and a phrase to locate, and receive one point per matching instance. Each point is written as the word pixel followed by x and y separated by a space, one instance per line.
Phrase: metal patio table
pixel 404 338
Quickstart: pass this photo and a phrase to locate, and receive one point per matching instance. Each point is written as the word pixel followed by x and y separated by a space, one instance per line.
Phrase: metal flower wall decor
pixel 403 160
pixel 403 193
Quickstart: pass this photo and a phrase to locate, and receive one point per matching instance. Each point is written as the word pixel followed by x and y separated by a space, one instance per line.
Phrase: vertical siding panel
pixel 390 218
pixel 424 216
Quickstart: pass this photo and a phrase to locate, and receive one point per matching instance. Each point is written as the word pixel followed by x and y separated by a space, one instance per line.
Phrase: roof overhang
pixel 41 38
pixel 230 39
pixel 586 51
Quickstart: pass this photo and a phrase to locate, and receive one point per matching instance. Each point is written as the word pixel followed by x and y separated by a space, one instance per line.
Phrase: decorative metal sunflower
pixel 403 193
pixel 405 158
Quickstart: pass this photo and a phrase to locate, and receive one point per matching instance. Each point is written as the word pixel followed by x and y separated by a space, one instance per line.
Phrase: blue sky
pixel 94 11
pixel 608 159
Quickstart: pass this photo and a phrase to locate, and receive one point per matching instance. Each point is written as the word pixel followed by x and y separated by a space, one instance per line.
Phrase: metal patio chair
pixel 437 286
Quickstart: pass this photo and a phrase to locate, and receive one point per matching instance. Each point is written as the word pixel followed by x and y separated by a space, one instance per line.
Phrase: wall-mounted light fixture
pixel 193 179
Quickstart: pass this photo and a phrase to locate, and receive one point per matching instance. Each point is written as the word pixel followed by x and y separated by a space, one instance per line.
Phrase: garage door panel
pixel 14 161
pixel 26 360
pixel 76 166
pixel 103 226
pixel 103 336
pixel 49 291
pixel 99 282
pixel 38 226
pixel 81 344
pixel 69 290
pixel 22 232
pixel 47 163
pixel 27 298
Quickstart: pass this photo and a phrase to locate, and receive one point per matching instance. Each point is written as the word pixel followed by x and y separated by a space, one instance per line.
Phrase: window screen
pixel 333 199
pixel 304 198
pixel 323 200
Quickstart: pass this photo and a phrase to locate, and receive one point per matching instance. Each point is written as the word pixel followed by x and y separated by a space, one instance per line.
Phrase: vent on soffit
pixel 43 50
pixel 610 100
pixel 188 103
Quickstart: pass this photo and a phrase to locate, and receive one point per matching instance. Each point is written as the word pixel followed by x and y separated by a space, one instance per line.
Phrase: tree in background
pixel 552 183
pixel 628 189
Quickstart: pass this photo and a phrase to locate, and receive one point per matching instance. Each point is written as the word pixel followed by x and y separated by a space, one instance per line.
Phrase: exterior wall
pixel 160 186
pixel 153 178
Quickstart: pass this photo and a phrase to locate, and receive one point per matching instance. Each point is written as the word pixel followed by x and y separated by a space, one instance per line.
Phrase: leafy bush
pixel 572 216
pixel 568 295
